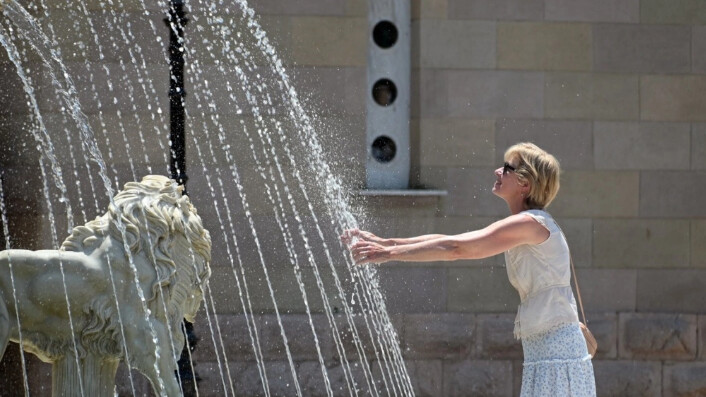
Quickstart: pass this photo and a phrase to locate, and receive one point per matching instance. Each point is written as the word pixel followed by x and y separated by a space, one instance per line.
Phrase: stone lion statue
pixel 151 238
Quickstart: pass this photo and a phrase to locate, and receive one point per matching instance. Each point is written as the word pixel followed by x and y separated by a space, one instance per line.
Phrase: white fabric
pixel 541 274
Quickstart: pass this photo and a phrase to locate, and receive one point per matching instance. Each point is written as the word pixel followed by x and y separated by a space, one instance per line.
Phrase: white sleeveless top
pixel 541 273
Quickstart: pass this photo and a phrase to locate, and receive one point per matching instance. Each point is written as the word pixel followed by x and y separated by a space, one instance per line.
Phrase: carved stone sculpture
pixel 152 234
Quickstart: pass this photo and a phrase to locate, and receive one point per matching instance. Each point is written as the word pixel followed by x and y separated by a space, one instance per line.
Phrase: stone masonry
pixel 616 89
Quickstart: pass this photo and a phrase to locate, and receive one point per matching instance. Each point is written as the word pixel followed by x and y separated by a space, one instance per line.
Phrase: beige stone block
pixel 641 146
pixel 429 9
pixel 698 46
pixel 657 336
pixel 606 290
pixel 470 193
pixel 673 98
pixel 300 7
pixel 495 337
pixel 672 194
pixel 638 243
pixel 333 90
pixel 641 48
pixel 683 379
pixel 317 41
pixel 439 336
pixel 432 177
pixel 579 235
pixel 477 378
pixel 569 141
pixel 456 44
pixel 604 327
pixel 480 289
pixel 426 376
pixel 597 194
pixel 698 248
pixel 544 46
pixel 591 96
pixel 413 290
pixel 621 11
pixel 698 146
pixel 702 336
pixel 361 337
pixel 457 142
pixel 429 93
pixel 357 8
pixel 529 10
pixel 628 378
pixel 689 12
pixel 671 291
pixel 485 94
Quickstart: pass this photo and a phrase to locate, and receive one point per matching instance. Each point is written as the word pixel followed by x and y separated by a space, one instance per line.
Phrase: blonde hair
pixel 540 169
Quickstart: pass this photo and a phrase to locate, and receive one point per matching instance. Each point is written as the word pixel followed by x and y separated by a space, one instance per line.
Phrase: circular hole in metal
pixel 384 92
pixel 384 149
pixel 385 34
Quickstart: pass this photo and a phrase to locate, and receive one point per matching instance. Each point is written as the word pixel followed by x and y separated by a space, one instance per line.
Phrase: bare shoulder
pixel 528 227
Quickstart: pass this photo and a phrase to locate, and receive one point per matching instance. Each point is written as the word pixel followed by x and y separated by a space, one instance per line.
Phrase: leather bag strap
pixel 573 272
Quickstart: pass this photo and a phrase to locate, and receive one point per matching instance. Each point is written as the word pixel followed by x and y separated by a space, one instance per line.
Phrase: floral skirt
pixel 557 364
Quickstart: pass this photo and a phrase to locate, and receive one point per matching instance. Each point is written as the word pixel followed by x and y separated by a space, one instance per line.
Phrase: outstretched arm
pixel 349 236
pixel 496 238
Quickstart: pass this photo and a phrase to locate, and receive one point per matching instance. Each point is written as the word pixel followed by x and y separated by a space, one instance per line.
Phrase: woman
pixel 537 256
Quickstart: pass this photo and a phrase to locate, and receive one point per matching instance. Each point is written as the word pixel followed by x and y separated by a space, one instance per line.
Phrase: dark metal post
pixel 176 21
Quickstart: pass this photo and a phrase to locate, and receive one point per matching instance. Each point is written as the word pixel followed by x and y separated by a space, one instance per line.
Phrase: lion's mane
pixel 147 217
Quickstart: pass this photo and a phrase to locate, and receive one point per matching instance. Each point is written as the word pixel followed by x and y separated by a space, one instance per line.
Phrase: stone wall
pixel 614 88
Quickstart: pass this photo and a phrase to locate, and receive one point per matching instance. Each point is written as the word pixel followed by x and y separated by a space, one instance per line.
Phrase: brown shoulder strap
pixel 573 272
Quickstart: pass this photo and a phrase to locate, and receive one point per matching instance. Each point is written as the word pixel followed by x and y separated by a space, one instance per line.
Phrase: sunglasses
pixel 507 167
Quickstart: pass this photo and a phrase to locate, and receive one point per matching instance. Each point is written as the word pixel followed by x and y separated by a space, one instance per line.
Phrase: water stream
pixel 241 96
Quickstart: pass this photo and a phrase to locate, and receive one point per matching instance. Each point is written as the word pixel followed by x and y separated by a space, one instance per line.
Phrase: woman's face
pixel 507 184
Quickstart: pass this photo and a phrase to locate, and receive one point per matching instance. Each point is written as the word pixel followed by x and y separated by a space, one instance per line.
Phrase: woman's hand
pixel 365 252
pixel 350 236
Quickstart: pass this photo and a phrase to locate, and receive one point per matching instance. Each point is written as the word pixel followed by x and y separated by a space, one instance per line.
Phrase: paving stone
pixel 529 10
pixel 591 96
pixel 640 146
pixel 641 48
pixel 685 379
pixel 628 378
pixel 439 336
pixel 608 289
pixel 485 94
pixel 496 339
pixel 640 243
pixel 593 11
pixel 672 12
pixel 597 194
pixel 569 141
pixel 673 98
pixel 477 378
pixel 671 291
pixel 657 336
pixel 672 194
pixel 457 142
pixel 544 46
pixel 482 290
pixel 456 44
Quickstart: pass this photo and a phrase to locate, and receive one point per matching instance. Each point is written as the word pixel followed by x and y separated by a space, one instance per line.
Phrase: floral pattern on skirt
pixel 557 364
